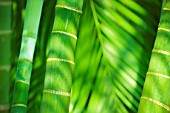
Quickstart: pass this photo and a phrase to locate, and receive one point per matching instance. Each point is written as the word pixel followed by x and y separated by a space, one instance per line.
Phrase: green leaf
pixel 112 55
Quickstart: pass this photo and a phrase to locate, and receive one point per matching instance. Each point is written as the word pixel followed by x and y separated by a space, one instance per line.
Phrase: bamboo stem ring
pixel 164 29
pixel 5 32
pixel 158 74
pixel 60 60
pixel 5 67
pixel 4 107
pixel 21 105
pixel 161 52
pixel 22 81
pixel 167 9
pixel 66 33
pixel 57 92
pixel 24 59
pixel 5 3
pixel 69 8
pixel 156 102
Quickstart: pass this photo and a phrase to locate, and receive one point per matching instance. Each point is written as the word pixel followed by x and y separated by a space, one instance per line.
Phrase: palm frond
pixel 113 51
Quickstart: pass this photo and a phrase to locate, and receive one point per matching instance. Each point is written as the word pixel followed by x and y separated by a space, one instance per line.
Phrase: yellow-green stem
pixel 60 60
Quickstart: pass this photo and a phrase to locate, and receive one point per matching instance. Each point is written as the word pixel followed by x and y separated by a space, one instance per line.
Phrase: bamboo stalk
pixel 156 95
pixel 37 82
pixel 17 26
pixel 60 60
pixel 24 68
pixel 5 50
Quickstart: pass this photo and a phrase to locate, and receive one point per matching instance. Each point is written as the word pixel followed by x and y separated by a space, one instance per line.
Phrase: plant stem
pixel 156 94
pixel 37 82
pixel 24 68
pixel 5 50
pixel 60 60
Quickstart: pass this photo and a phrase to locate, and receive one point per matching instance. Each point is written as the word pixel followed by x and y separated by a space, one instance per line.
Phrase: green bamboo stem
pixel 5 50
pixel 24 68
pixel 60 60
pixel 17 26
pixel 156 95
pixel 37 82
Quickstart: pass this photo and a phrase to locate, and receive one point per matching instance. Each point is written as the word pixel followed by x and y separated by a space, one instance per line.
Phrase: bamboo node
pixel 156 102
pixel 60 60
pixel 5 67
pixel 5 32
pixel 21 105
pixel 22 82
pixel 158 74
pixel 24 59
pixel 5 3
pixel 167 9
pixel 164 29
pixel 4 107
pixel 66 33
pixel 161 51
pixel 57 92
pixel 69 8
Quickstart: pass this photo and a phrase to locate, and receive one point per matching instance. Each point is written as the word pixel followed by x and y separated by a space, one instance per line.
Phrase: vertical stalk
pixel 17 26
pixel 60 60
pixel 156 93
pixel 5 53
pixel 24 68
pixel 37 82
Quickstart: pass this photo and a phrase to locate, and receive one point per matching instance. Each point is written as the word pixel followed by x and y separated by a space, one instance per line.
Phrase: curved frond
pixel 113 50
